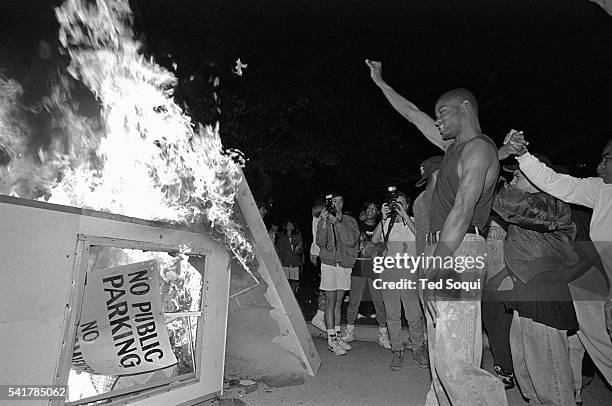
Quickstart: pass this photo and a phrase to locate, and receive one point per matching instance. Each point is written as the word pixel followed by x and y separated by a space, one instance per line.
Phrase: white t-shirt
pixel 401 238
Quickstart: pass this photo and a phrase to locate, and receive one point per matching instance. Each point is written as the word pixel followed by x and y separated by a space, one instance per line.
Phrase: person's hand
pixel 385 210
pixel 375 70
pixel 334 219
pixel 324 214
pixel 313 259
pixel 515 143
pixel 504 152
pixel 399 208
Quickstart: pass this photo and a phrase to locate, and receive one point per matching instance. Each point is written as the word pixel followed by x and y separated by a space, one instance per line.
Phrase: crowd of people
pixel 543 236
pixel 543 294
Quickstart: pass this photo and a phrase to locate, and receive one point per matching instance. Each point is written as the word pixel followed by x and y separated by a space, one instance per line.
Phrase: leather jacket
pixel 540 234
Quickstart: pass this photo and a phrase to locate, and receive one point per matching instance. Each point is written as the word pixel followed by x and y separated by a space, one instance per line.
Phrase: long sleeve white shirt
pixel 589 192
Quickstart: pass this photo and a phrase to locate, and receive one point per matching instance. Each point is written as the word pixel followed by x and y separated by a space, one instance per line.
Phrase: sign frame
pixel 74 307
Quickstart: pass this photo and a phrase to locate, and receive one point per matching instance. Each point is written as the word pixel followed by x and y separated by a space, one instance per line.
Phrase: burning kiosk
pixel 121 308
pixel 51 253
pixel 48 251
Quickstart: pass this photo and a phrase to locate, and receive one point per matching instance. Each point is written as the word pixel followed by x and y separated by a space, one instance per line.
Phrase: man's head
pixel 604 169
pixel 519 180
pixel 428 168
pixel 456 110
pixel 338 202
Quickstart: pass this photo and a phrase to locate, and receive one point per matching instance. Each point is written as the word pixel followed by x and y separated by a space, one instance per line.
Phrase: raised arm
pixel 563 187
pixel 476 159
pixel 406 108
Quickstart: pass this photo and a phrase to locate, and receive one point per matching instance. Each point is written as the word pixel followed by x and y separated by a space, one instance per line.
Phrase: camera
pixel 329 205
pixel 391 200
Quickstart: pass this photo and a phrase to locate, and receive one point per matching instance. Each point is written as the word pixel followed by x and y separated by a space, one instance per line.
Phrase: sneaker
pixel 334 347
pixel 383 339
pixel 506 377
pixel 344 345
pixel 348 336
pixel 373 315
pixel 420 357
pixel 320 324
pixel 360 316
pixel 398 361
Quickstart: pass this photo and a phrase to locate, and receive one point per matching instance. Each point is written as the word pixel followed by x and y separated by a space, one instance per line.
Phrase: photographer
pixel 395 235
pixel 338 237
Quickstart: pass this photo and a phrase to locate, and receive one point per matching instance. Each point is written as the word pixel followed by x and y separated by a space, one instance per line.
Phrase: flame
pixel 148 160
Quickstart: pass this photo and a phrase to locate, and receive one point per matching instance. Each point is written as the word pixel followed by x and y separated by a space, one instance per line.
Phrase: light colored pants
pixel 455 347
pixel 541 359
pixel 576 351
pixel 393 300
pixel 589 305
pixel 358 285
pixel 455 353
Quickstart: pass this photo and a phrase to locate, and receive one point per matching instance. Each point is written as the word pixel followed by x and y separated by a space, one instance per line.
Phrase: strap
pixel 386 237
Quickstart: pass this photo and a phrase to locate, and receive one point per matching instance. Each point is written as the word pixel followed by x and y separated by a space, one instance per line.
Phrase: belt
pixel 433 238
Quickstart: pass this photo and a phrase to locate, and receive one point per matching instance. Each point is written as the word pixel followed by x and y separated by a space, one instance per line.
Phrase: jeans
pixel 393 300
pixel 576 353
pixel 589 306
pixel 358 285
pixel 541 360
pixel 455 346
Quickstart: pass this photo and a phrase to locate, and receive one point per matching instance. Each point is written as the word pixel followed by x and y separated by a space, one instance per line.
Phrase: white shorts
pixel 292 272
pixel 335 278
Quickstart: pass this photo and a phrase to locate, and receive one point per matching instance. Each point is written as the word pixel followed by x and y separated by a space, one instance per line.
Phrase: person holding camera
pixel 338 238
pixel 396 235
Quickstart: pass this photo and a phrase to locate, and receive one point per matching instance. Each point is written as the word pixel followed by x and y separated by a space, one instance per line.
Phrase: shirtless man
pixel 461 204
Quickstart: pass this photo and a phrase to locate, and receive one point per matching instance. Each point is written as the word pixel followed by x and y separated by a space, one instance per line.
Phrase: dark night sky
pixel 544 66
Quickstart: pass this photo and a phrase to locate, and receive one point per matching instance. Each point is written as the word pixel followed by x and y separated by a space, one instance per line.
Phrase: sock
pixel 331 335
pixel 383 330
pixel 319 315
pixel 350 328
pixel 338 331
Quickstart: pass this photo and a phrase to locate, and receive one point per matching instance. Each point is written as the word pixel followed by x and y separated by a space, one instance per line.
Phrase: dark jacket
pixel 539 255
pixel 540 234
pixel 339 243
pixel 290 249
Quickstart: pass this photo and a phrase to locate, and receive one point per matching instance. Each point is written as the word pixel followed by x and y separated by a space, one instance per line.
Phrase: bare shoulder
pixel 479 151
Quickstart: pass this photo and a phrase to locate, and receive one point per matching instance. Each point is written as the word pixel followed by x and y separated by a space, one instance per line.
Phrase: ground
pixel 363 377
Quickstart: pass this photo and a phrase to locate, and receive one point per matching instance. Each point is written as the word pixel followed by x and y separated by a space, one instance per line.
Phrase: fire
pixel 148 160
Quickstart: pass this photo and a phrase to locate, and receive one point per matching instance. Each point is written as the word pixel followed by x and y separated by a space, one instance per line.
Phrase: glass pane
pixel 179 281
